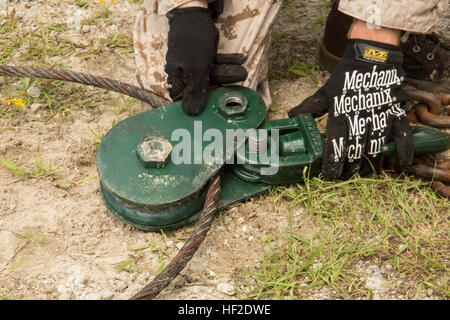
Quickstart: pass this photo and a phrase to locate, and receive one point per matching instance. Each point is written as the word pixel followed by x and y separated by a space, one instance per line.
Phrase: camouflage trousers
pixel 417 16
pixel 245 27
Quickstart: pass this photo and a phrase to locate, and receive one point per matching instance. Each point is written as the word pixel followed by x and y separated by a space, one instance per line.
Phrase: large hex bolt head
pixel 154 152
pixel 233 106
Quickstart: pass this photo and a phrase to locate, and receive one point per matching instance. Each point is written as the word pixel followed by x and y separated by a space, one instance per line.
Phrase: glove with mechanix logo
pixel 365 103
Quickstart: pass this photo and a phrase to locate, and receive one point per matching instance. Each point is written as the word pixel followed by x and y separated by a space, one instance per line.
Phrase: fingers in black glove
pixel 317 105
pixel 228 69
pixel 403 139
pixel 335 150
pixel 192 49
pixel 192 63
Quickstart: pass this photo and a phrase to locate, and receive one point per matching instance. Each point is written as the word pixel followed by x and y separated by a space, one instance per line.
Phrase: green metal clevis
pixel 152 167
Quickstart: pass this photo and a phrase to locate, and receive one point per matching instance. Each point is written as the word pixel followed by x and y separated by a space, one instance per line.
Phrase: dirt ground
pixel 61 242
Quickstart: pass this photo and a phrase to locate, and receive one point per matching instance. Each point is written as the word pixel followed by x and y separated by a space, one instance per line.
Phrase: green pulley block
pixel 142 182
pixel 233 190
pixel 426 140
pixel 300 147
pixel 142 186
pixel 298 144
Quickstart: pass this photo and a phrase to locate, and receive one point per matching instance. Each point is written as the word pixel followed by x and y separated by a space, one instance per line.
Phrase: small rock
pixel 121 286
pixel 240 220
pixel 35 107
pixel 106 295
pixel 196 265
pixel 180 245
pixel 34 92
pixel 90 296
pixel 374 280
pixel 113 28
pixel 85 29
pixel 64 292
pixel 226 288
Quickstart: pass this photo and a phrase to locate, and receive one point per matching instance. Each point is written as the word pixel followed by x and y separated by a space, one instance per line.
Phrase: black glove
pixel 365 104
pixel 216 8
pixel 192 57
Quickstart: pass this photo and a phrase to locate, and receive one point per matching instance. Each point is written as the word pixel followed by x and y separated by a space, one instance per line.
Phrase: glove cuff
pixel 375 52
pixel 178 11
pixel 216 8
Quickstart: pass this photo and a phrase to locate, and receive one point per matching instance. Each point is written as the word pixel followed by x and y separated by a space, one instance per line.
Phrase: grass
pixel 127 106
pixel 57 97
pixel 41 169
pixel 125 266
pixel 4 295
pixel 376 220
pixel 137 253
pixel 66 185
pixel 97 136
pixel 8 42
pixel 28 238
pixel 41 46
pixel 45 43
pixel 297 69
pixel 293 52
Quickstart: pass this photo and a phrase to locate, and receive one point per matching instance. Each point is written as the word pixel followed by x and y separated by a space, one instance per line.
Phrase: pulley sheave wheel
pixel 151 165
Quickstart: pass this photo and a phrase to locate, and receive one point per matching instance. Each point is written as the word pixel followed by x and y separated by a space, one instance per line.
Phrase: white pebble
pixel 107 295
pixel 34 92
pixel 35 107
pixel 226 288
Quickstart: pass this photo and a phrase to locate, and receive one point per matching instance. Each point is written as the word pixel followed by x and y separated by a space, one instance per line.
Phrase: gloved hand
pixel 365 104
pixel 192 63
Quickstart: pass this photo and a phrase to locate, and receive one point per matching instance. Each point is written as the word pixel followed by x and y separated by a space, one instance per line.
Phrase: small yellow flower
pixel 22 92
pixel 102 1
pixel 17 101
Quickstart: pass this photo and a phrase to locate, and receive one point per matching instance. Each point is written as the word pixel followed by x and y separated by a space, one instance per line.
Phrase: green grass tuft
pixel 374 219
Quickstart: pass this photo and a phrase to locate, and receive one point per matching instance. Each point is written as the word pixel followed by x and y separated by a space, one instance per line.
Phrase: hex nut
pixel 154 152
pixel 233 106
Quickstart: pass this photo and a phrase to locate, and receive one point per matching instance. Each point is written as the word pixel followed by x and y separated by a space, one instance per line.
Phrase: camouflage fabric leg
pixel 245 27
